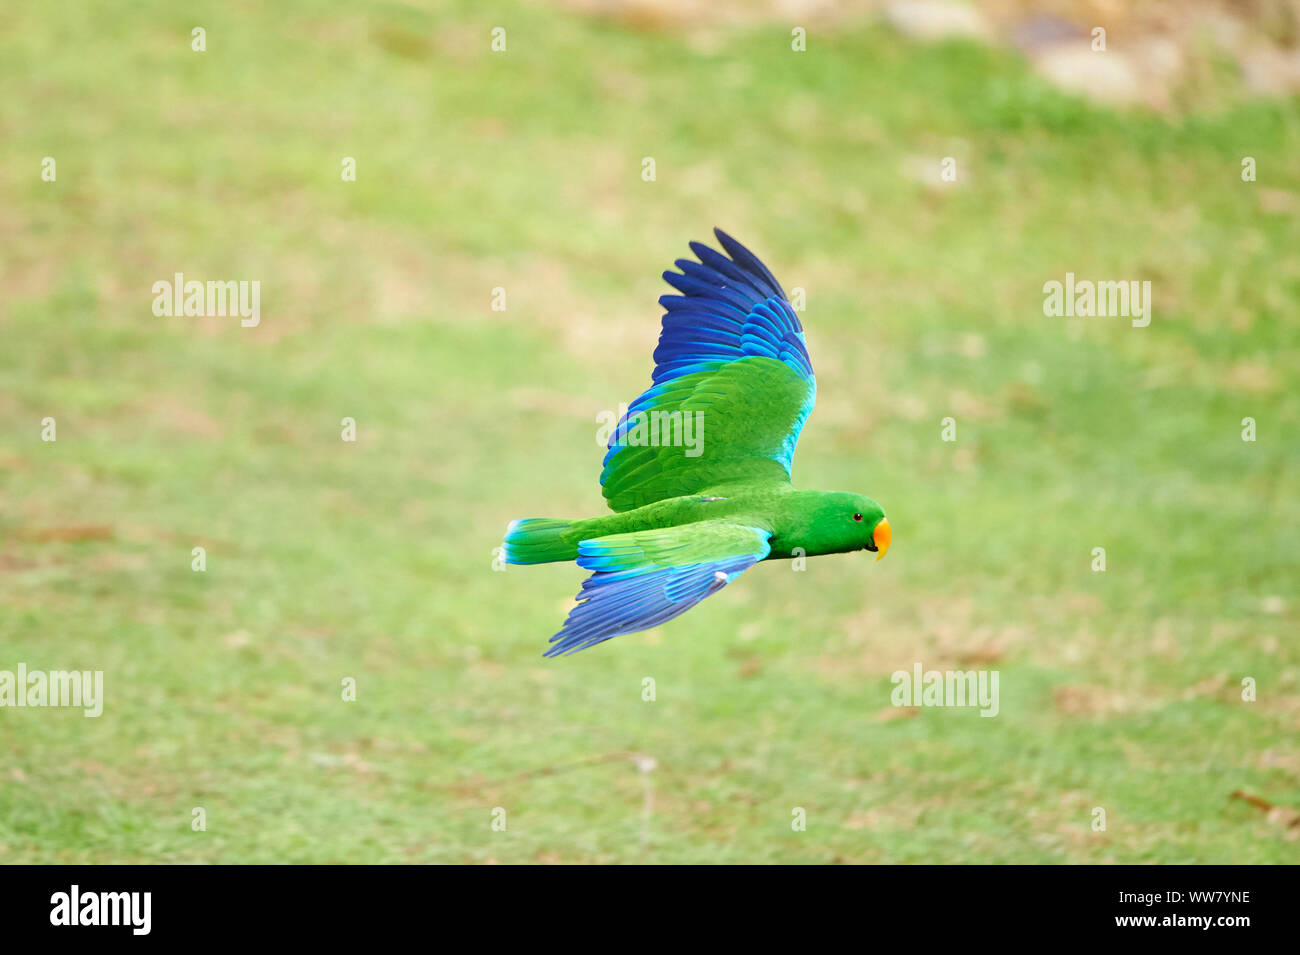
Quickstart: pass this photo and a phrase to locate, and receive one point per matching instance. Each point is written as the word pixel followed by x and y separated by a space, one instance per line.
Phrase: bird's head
pixel 833 522
pixel 872 525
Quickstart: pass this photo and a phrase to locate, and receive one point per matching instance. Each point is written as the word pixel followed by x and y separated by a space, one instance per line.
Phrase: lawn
pixel 372 560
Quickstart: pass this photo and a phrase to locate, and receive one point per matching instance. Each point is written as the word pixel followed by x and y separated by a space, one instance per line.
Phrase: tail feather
pixel 539 540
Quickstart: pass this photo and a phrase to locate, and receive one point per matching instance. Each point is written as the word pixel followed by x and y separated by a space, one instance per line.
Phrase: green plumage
pixel 815 522
pixel 698 472
pixel 746 411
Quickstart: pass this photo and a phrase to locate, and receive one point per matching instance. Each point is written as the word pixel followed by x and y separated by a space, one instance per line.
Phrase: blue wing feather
pixel 750 263
pixel 612 604
pixel 636 585
pixel 730 308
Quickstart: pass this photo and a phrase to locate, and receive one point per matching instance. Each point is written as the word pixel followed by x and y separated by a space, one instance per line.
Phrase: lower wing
pixel 647 577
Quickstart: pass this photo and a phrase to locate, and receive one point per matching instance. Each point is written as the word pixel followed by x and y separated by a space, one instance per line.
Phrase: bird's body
pixel 731 390
pixel 791 517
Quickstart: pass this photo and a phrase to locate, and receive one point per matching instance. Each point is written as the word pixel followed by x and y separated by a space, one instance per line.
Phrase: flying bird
pixel 697 470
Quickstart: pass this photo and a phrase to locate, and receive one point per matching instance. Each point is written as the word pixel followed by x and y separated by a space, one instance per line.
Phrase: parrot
pixel 690 516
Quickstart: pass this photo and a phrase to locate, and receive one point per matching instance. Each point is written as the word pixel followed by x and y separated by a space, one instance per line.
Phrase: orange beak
pixel 880 537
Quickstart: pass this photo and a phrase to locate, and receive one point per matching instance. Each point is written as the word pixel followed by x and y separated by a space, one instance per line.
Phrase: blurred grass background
pixel 373 560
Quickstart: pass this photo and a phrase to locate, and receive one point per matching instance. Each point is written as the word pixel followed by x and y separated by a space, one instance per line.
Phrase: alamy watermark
pixel 195 299
pixel 946 688
pixel 82 689
pixel 1088 299
pixel 652 429
pixel 130 909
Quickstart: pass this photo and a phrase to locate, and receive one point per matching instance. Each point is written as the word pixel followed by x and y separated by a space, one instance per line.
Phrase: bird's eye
pixel 857 517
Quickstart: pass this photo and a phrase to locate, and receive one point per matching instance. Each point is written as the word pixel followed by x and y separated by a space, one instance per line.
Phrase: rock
pixel 1108 77
pixel 1268 70
pixel 936 19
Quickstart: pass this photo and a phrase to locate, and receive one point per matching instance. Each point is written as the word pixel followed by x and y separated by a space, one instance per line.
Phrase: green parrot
pixel 698 468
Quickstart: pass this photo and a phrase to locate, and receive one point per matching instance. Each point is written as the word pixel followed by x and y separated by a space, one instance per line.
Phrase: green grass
pixel 373 560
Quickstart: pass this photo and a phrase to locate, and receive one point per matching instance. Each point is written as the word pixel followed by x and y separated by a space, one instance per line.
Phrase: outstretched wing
pixel 646 577
pixel 732 385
